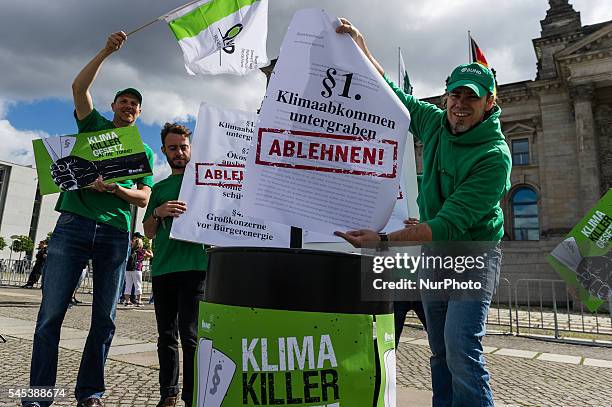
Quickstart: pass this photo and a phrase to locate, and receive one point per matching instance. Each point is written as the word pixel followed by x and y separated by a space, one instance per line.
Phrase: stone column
pixel 586 144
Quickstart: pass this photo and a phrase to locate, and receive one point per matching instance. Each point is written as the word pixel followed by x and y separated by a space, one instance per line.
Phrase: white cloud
pixel 593 11
pixel 432 35
pixel 4 105
pixel 17 144
pixel 161 169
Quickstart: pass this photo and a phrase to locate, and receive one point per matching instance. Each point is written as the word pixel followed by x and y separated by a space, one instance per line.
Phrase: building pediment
pixel 600 40
pixel 518 129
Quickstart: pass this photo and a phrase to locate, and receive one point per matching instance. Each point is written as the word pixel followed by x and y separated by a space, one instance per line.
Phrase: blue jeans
pixel 75 240
pixel 455 328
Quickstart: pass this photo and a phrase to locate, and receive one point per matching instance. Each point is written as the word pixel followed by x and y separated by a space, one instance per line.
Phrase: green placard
pixel 67 163
pixel 584 258
pixel 264 357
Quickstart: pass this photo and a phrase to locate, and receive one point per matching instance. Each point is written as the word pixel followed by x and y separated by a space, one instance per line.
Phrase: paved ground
pixel 525 372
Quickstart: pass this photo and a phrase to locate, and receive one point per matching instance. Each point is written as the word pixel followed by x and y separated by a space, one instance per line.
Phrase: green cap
pixel 131 91
pixel 475 76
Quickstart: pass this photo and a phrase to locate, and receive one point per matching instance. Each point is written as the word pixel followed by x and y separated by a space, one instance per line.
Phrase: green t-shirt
pixel 171 255
pixel 102 207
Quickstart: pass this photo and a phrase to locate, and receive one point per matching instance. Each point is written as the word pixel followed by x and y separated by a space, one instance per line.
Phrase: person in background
pixel 133 272
pixel 37 269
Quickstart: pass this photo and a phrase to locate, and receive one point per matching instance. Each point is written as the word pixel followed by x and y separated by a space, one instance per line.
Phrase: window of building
pixel 4 181
pixel 525 221
pixel 520 151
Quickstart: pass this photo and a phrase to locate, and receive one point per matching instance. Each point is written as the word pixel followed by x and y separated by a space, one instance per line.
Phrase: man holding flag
pixel 466 172
pixel 94 224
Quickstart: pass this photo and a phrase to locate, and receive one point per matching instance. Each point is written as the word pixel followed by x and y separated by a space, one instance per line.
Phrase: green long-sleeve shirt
pixel 464 176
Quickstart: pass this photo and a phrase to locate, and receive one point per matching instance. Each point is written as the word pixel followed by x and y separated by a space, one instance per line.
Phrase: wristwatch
pixel 383 237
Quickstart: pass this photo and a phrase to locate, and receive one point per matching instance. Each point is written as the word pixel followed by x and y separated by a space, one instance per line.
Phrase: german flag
pixel 477 54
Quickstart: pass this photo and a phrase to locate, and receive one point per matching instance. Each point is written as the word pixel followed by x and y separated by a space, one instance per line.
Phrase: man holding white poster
pixel 178 271
pixel 327 153
pixel 466 172
pixel 213 185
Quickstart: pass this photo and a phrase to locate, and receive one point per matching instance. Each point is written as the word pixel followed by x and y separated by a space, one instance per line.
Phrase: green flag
pixel 405 80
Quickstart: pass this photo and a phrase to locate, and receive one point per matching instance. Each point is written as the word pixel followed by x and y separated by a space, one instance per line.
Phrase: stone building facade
pixel 559 129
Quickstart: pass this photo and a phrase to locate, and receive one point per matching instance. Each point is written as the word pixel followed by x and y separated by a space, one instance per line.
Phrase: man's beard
pixel 175 166
pixel 459 128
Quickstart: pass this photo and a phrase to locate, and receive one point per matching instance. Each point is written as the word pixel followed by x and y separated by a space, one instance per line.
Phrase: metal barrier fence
pixel 526 307
pixel 15 272
pixel 533 315
pixel 545 308
pixel 500 312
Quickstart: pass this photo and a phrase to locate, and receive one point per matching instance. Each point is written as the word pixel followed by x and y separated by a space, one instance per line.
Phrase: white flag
pixel 222 36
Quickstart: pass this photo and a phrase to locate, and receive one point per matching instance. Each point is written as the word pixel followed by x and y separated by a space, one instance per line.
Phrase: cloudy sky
pixel 45 43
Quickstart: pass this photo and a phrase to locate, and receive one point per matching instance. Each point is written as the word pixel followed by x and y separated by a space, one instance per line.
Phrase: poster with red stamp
pixel 213 182
pixel 328 150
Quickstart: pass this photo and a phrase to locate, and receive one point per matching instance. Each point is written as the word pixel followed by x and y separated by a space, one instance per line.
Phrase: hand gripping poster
pixel 66 163
pixel 584 258
pixel 213 181
pixel 327 152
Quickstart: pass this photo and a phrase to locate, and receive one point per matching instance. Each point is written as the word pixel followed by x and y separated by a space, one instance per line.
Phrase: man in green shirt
pixel 178 270
pixel 466 172
pixel 94 224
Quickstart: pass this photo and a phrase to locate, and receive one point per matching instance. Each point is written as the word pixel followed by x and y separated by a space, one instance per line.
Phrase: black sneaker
pixel 91 402
pixel 167 402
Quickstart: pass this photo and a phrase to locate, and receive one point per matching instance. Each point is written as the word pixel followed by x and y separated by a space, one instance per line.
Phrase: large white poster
pixel 327 153
pixel 213 181
pixel 405 206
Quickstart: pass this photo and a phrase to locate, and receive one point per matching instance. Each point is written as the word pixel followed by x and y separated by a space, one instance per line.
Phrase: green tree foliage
pixel 22 243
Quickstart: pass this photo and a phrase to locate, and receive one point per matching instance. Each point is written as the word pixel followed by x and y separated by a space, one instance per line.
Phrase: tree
pixel 23 244
pixel 2 243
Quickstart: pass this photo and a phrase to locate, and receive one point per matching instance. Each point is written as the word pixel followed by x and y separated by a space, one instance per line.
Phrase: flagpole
pixel 469 47
pixel 162 16
pixel 399 67
pixel 143 26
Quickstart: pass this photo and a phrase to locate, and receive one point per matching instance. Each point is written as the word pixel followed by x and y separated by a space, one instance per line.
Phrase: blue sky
pixel 40 54
pixel 55 117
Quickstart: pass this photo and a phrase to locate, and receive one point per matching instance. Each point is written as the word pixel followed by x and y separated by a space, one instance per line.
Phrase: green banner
pixel 67 163
pixel 264 357
pixel 584 258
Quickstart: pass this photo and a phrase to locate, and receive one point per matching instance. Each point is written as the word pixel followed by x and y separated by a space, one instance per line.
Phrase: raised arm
pixel 83 103
pixel 347 27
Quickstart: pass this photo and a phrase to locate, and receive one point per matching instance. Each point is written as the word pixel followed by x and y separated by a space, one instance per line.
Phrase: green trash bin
pixel 287 327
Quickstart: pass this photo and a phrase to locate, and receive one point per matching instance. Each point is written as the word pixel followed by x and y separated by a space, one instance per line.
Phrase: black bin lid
pixel 289 279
